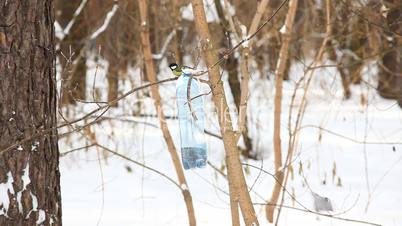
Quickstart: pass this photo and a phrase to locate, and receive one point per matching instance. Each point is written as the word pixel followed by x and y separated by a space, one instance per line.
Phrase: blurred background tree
pixel 364 33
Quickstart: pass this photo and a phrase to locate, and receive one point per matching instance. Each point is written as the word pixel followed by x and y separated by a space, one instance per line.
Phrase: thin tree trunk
pixel 231 65
pixel 113 82
pixel 293 135
pixel 280 70
pixel 75 44
pixel 177 43
pixel 146 46
pixel 234 84
pixel 237 183
pixel 73 76
pixel 242 107
pixel 390 73
pixel 341 32
pixel 245 51
pixel 29 174
pixel 274 42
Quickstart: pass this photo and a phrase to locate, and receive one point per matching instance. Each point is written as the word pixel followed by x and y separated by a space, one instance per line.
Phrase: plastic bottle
pixel 192 137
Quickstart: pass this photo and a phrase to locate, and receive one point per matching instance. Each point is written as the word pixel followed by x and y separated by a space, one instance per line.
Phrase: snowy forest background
pixel 314 94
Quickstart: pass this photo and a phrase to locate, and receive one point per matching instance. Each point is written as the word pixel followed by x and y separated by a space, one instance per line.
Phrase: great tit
pixel 180 70
pixel 176 69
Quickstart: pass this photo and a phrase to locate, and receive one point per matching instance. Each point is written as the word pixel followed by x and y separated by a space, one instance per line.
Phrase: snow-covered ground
pixel 355 161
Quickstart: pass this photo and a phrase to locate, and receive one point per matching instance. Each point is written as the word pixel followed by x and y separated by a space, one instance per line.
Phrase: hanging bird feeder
pixel 191 117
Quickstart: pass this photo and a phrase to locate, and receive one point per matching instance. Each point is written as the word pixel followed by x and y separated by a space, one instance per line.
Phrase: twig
pixel 304 208
pixel 62 154
pixel 139 164
pixel 150 124
pixel 279 73
pixel 320 214
pixel 369 21
pixel 47 131
pixel 202 94
pixel 248 38
pixel 347 138
pixel 190 108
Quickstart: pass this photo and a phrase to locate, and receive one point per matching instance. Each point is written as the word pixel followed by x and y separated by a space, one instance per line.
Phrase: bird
pixel 176 69
pixel 180 70
pixel 321 203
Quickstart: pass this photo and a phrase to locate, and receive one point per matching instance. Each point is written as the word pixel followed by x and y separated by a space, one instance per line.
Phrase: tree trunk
pixel 113 83
pixel 280 70
pixel 149 66
pixel 237 184
pixel 178 37
pixel 74 67
pixel 231 65
pixel 76 43
pixel 29 175
pixel 274 40
pixel 390 73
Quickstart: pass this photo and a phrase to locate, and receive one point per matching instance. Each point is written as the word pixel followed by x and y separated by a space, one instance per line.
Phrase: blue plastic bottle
pixel 193 145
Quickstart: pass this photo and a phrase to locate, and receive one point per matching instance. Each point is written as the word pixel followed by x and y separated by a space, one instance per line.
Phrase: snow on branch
pixel 164 47
pixel 76 13
pixel 105 24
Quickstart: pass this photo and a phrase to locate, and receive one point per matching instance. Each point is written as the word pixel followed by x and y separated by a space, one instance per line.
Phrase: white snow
pixel 144 198
pixel 184 187
pixel 19 148
pixel 35 146
pixel 384 11
pixel 25 177
pixel 58 30
pixel 41 217
pixel 25 181
pixel 6 188
pixel 243 29
pixel 34 204
pixel 283 29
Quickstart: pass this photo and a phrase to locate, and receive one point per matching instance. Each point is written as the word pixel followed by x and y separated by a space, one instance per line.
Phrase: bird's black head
pixel 173 66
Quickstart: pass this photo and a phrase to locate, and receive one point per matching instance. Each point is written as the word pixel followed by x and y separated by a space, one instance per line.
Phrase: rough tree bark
pixel 280 70
pixel 29 175
pixel 149 66
pixel 237 184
